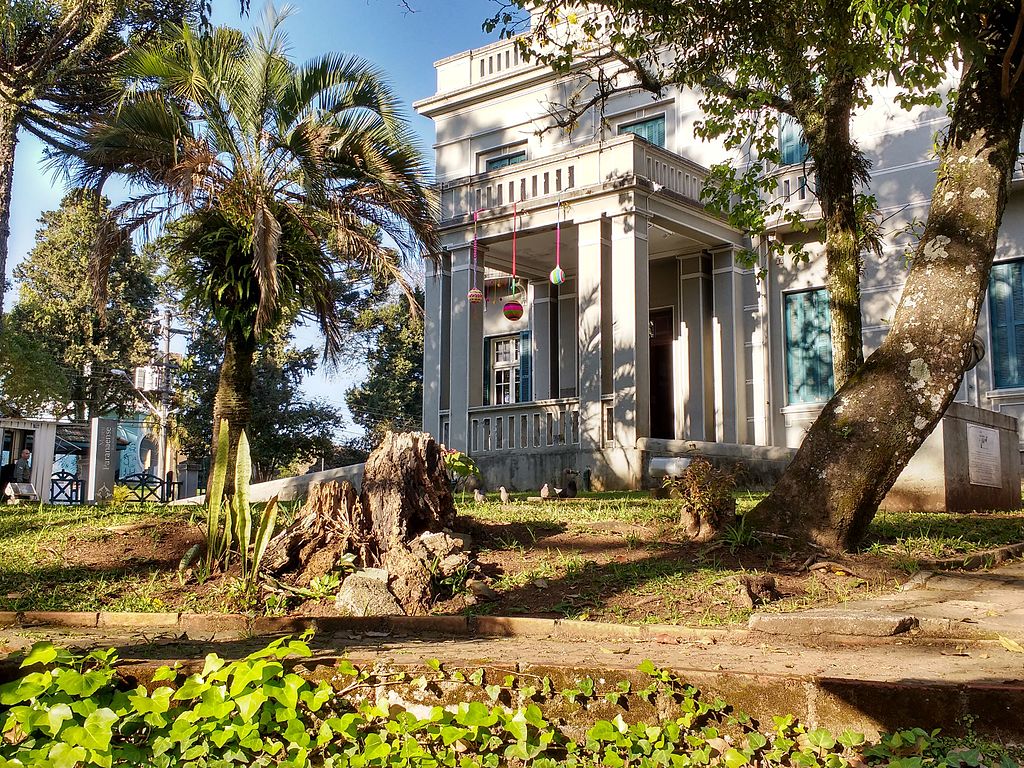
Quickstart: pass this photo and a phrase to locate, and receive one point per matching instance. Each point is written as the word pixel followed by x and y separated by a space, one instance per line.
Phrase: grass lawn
pixel 616 557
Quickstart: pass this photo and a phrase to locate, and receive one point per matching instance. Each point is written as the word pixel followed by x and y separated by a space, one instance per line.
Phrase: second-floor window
pixel 792 146
pixel 652 129
pixel 503 161
pixel 507 370
pixel 808 347
pixel 1006 314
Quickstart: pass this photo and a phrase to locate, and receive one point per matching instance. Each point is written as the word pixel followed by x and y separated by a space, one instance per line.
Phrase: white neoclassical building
pixel 657 341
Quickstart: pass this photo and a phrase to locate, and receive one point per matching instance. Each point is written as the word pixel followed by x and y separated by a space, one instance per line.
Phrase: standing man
pixel 23 468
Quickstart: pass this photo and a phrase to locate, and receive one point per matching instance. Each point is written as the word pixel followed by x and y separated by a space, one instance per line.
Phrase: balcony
pixel 795 191
pixel 590 166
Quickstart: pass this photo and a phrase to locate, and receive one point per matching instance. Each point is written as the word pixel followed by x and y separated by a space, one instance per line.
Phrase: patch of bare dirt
pixel 154 544
pixel 615 571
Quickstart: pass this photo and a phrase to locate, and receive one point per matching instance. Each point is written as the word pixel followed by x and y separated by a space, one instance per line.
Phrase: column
pixel 544 338
pixel 466 358
pixel 438 274
pixel 730 350
pixel 592 245
pixel 630 328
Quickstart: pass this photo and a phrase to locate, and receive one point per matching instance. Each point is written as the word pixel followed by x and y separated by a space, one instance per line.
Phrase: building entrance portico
pixel 569 384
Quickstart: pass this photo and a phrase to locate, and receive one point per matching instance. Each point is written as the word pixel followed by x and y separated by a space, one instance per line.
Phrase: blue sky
pixel 405 45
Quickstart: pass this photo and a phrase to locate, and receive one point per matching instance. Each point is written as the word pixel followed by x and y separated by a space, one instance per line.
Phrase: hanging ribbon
pixel 557 275
pixel 475 296
pixel 513 287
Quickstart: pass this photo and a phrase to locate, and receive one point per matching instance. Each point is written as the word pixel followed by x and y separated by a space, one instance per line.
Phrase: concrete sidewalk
pixel 832 668
pixel 956 605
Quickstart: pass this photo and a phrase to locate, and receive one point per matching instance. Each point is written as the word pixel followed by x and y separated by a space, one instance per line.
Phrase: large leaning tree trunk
pixel 405 493
pixel 8 144
pixel 875 423
pixel 233 401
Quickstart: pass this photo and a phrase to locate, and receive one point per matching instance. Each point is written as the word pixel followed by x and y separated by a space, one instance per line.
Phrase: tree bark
pixel 406 500
pixel 8 144
pixel 836 165
pixel 233 401
pixel 876 422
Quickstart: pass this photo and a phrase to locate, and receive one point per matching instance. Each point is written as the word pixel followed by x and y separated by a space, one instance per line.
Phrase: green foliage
pixel 70 710
pixel 287 430
pixel 57 326
pixel 460 467
pixel 233 536
pixel 391 396
pixel 703 488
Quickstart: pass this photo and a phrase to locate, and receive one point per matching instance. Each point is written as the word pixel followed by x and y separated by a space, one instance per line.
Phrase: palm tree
pixel 56 60
pixel 280 177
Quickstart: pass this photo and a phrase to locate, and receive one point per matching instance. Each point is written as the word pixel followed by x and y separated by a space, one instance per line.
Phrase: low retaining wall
pixel 758 466
pixel 291 488
pixel 984 705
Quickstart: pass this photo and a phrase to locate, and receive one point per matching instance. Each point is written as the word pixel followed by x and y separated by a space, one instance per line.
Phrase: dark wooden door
pixel 663 419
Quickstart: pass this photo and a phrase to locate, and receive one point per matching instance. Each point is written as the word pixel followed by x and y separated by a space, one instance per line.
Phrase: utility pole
pixel 165 394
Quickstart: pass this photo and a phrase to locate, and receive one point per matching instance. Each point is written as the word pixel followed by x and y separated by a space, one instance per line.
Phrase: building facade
pixel 657 339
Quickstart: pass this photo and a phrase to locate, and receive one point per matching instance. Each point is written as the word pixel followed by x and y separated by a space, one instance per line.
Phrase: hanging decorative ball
pixel 512 310
pixel 476 296
pixel 557 276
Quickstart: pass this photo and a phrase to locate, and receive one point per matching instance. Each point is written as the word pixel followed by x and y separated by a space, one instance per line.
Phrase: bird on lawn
pixel 560 493
pixel 503 494
pixel 478 497
pixel 545 492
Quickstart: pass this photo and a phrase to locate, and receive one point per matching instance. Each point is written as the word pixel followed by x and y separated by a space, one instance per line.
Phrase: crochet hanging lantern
pixel 476 296
pixel 557 275
pixel 512 310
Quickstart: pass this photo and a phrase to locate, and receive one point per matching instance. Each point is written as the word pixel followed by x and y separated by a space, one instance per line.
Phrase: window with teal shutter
pixel 653 130
pixel 1006 314
pixel 792 146
pixel 496 163
pixel 525 389
pixel 808 347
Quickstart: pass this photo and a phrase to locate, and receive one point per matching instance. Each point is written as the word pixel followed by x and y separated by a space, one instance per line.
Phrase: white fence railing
pixel 545 424
pixel 796 190
pixel 587 166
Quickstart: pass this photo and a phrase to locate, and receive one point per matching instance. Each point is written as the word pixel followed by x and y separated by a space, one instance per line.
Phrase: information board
pixel 983 456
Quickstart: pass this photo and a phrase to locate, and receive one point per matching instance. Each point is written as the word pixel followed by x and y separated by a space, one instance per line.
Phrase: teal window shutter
pixel 1006 316
pixel 525 371
pixel 792 146
pixel 496 163
pixel 808 347
pixel 652 130
pixel 488 353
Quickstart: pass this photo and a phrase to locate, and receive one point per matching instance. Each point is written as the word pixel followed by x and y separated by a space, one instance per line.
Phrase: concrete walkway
pixel 958 605
pixel 832 667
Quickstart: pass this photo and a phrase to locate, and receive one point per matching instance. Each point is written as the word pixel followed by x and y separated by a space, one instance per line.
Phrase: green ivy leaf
pixel 41 653
pixel 62 755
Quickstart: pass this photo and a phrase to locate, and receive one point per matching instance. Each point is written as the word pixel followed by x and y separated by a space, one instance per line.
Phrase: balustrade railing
pixel 587 166
pixel 541 425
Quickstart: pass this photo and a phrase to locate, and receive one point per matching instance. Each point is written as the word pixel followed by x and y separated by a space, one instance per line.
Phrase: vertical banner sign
pixel 102 459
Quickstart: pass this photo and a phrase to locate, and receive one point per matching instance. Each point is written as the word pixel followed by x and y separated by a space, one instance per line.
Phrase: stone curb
pixel 487 626
pixel 832 622
pixel 975 561
pixel 855 627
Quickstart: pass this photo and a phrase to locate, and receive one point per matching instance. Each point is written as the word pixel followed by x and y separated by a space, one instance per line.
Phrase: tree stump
pixel 405 493
pixel 331 523
pixel 702 523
